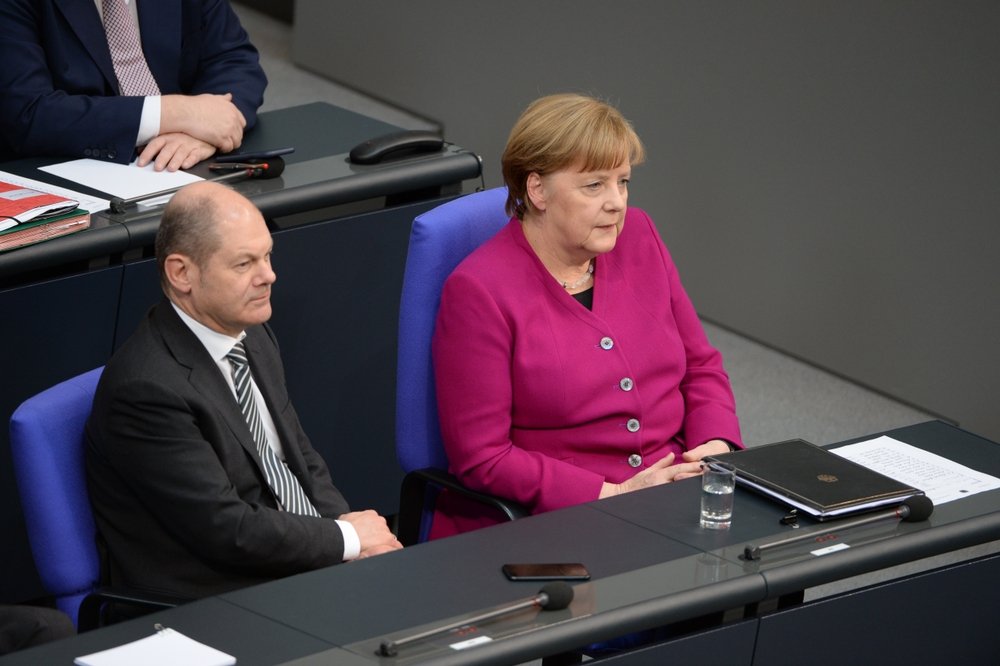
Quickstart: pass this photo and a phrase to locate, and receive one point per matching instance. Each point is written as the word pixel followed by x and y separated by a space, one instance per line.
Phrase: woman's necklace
pixel 583 280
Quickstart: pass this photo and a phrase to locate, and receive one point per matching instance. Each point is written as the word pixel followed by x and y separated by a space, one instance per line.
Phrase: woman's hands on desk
pixel 712 447
pixel 663 471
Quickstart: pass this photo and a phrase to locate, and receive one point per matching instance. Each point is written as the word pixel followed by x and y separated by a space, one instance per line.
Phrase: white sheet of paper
pixel 942 480
pixel 121 180
pixel 164 648
pixel 88 203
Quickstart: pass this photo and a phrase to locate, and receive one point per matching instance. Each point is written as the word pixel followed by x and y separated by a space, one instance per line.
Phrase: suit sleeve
pixel 54 99
pixel 39 119
pixel 226 62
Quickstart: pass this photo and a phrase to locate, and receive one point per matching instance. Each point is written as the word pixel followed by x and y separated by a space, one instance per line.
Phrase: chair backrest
pixel 440 239
pixel 47 446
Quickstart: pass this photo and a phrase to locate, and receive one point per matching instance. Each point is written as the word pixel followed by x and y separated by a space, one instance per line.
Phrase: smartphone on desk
pixel 238 156
pixel 546 571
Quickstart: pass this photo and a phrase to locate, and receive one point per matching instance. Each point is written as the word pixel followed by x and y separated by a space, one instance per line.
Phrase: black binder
pixel 814 480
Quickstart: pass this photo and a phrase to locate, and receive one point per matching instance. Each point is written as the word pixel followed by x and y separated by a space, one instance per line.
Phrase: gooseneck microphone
pixel 912 510
pixel 271 168
pixel 553 596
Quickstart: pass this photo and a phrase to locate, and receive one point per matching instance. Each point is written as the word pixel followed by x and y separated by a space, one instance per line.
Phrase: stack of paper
pixel 19 204
pixel 164 648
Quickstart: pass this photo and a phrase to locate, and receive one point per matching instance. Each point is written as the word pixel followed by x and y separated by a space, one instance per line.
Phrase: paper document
pixel 88 203
pixel 121 180
pixel 941 479
pixel 164 648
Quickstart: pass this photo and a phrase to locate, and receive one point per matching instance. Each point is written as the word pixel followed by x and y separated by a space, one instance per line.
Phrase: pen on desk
pixel 231 166
pixel 265 170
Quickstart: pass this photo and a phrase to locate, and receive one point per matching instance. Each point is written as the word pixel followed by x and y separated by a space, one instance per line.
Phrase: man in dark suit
pixel 181 484
pixel 60 95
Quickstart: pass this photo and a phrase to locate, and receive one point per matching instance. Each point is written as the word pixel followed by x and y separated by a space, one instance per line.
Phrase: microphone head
pixel 919 507
pixel 266 169
pixel 117 205
pixel 557 595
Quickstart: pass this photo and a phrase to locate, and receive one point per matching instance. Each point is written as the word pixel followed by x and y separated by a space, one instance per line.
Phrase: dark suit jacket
pixel 177 488
pixel 58 90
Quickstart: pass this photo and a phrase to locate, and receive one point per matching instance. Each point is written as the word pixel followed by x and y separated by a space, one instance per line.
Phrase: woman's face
pixel 582 212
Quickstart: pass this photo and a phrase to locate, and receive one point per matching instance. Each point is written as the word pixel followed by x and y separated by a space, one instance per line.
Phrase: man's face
pixel 232 290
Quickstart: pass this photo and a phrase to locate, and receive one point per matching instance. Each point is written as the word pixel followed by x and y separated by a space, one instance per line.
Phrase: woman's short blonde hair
pixel 559 131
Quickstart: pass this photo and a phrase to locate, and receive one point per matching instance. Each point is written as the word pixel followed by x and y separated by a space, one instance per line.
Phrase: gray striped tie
pixel 284 484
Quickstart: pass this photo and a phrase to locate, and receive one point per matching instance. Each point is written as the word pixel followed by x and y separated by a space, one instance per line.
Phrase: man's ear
pixel 535 191
pixel 180 272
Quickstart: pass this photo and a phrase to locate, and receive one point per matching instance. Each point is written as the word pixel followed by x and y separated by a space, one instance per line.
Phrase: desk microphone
pixel 271 168
pixel 912 510
pixel 553 596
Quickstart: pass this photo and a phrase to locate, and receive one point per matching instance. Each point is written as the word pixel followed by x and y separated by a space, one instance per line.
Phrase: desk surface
pixel 318 175
pixel 652 566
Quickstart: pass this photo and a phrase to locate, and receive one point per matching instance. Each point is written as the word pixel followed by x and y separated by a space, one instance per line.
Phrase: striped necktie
pixel 284 484
pixel 134 77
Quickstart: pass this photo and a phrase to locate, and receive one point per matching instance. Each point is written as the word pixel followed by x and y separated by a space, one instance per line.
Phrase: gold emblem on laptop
pixel 827 478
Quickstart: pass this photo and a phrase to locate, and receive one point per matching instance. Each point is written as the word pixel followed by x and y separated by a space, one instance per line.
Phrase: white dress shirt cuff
pixel 352 543
pixel 149 122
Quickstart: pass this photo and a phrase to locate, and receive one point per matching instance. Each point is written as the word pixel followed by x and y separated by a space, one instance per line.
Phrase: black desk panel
pixel 642 577
pixel 336 315
pixel 639 580
pixel 140 290
pixel 452 576
pixel 731 645
pixel 592 618
pixel 947 616
pixel 50 331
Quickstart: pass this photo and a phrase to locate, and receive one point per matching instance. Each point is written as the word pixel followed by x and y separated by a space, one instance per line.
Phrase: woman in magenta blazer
pixel 570 364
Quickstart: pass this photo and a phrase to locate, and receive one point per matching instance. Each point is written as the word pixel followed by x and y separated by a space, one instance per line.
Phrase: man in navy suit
pixel 182 486
pixel 59 94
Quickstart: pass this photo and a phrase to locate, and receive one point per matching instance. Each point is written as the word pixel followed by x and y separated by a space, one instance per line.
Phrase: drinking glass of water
pixel 718 486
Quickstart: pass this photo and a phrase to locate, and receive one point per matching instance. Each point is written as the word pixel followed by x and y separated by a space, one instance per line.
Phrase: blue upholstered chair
pixel 439 240
pixel 47 445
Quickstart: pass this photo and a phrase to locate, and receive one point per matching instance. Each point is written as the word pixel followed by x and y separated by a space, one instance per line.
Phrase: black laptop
pixel 814 480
